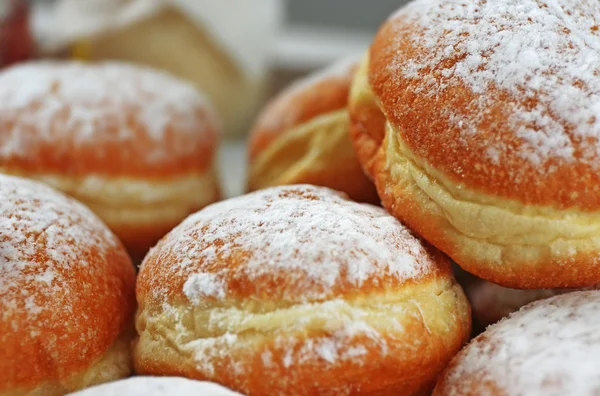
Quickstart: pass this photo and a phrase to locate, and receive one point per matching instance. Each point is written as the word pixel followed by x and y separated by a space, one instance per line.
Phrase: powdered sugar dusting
pixel 338 347
pixel 307 240
pixel 545 53
pixel 203 285
pixel 157 386
pixel 97 105
pixel 42 235
pixel 550 347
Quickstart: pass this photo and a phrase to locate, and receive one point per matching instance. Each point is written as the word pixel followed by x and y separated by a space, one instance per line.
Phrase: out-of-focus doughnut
pixel 298 291
pixel 492 302
pixel 480 124
pixel 135 145
pixel 302 136
pixel 550 347
pixel 66 294
pixel 157 386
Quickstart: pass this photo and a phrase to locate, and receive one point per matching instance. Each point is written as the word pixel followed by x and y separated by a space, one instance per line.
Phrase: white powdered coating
pixel 37 222
pixel 157 386
pixel 545 51
pixel 91 105
pixel 550 347
pixel 338 347
pixel 314 237
pixel 203 285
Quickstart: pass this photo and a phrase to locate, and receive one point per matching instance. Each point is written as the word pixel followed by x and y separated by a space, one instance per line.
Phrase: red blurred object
pixel 16 43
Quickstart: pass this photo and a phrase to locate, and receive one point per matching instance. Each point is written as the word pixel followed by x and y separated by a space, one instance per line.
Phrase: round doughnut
pixel 156 386
pixel 480 124
pixel 550 347
pixel 67 294
pixel 298 291
pixel 135 145
pixel 302 137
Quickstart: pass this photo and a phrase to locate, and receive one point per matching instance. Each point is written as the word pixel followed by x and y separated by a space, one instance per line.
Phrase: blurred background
pixel 239 52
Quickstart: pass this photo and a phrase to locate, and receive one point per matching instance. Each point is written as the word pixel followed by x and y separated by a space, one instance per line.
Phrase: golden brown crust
pixel 68 298
pixel 517 217
pixel 294 141
pixel 297 106
pixel 459 155
pixel 367 122
pixel 219 300
pixel 133 122
pixel 242 280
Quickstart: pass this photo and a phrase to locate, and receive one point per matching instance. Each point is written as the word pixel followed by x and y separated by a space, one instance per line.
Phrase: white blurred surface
pixel 232 162
pixel 313 47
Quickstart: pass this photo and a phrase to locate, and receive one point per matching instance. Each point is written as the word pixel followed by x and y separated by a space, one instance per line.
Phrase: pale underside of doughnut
pixel 326 347
pixel 317 152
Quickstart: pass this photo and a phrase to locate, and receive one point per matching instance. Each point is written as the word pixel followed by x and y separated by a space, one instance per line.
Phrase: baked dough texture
pixel 479 123
pixel 66 294
pixel 302 137
pixel 298 291
pixel 157 386
pixel 135 145
pixel 550 347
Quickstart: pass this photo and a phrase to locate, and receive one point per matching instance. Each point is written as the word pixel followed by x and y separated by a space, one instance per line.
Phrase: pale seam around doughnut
pixel 125 200
pixel 267 169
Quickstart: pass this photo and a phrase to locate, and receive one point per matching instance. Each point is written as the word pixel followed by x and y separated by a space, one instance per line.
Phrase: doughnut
pixel 492 302
pixel 67 294
pixel 156 386
pixel 301 137
pixel 480 123
pixel 550 347
pixel 135 145
pixel 297 290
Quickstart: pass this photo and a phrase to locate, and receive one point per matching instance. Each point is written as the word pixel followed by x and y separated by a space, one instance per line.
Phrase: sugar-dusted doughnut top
pixel 550 347
pixel 501 96
pixel 66 285
pixel 107 118
pixel 157 386
pixel 285 244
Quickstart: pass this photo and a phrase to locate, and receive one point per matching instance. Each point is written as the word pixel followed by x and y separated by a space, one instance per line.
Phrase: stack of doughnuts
pixel 302 137
pixel 479 124
pixel 475 123
pixel 135 145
